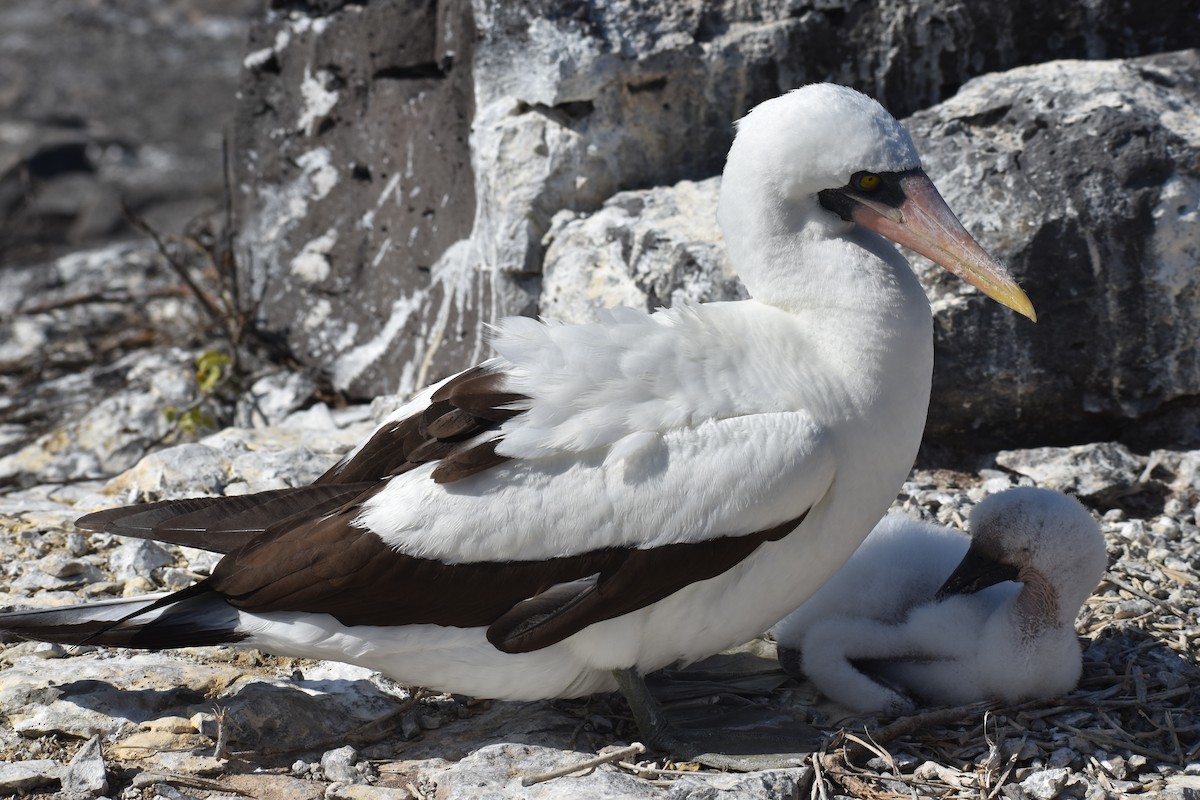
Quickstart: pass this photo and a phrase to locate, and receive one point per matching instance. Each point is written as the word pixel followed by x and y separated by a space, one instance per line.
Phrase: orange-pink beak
pixel 923 222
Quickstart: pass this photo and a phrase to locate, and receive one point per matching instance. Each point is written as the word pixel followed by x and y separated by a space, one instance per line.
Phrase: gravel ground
pixel 1131 727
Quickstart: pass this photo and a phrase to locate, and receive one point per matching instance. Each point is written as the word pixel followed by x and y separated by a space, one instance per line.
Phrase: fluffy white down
pixel 1012 641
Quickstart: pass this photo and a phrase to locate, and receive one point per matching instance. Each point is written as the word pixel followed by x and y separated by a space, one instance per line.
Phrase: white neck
pixel 794 254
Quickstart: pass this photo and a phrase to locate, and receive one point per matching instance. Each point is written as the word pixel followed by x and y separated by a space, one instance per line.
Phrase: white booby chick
pixel 601 500
pixel 881 636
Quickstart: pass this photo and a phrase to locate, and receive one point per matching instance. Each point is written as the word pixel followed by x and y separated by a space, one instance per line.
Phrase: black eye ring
pixel 866 181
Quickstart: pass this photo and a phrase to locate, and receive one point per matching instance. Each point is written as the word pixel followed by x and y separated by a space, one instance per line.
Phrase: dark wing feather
pixel 192 617
pixel 464 409
pixel 219 524
pixel 641 578
pixel 330 566
pixel 460 413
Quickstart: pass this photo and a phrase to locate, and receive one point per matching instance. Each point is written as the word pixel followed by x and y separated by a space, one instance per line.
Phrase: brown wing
pixel 220 524
pixel 469 405
pixel 332 567
pixel 448 431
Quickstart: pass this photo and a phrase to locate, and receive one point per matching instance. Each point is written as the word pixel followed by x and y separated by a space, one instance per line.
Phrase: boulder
pixel 1084 177
pixel 399 163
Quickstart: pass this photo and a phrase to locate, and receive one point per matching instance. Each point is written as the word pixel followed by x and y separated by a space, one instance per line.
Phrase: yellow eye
pixel 867 181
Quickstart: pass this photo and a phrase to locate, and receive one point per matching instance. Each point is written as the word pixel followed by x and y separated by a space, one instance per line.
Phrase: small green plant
pixel 215 371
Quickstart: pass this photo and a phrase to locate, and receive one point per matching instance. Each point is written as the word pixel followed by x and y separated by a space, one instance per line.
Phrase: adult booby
pixel 880 636
pixel 598 501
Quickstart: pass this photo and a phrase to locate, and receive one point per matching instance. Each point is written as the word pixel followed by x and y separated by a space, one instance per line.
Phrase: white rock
pixel 1045 784
pixel 138 558
pixel 1102 472
pixel 496 771
pixel 23 777
pixel 85 777
pixel 338 765
pixel 644 249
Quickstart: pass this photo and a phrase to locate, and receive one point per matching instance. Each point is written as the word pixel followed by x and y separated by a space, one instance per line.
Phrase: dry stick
pixel 637 748
pixel 191 781
pixel 1174 736
pixel 642 772
pixel 818 787
pixel 916 722
pixel 202 297
pixel 1145 596
pixel 1113 742
pixel 221 751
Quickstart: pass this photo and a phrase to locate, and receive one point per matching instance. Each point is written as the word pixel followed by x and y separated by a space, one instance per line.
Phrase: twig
pixel 201 296
pixel 637 748
pixel 818 788
pixel 1133 590
pixel 148 776
pixel 642 772
pixel 414 791
pixel 221 751
pixel 1118 744
pixel 907 725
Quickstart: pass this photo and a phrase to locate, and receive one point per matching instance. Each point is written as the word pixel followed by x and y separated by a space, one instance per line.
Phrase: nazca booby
pixel 881 635
pixel 602 500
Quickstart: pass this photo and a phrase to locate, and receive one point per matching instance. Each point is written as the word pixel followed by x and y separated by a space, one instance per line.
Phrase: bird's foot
pixel 722 732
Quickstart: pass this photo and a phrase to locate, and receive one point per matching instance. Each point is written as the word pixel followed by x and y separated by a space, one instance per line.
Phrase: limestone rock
pixel 768 783
pixel 85 776
pixel 138 558
pixel 1083 177
pixel 66 322
pixel 355 180
pixel 496 771
pixel 134 117
pixel 118 428
pixel 400 162
pixel 360 792
pixel 25 777
pixel 338 765
pixel 1100 473
pixel 1045 784
pixel 645 249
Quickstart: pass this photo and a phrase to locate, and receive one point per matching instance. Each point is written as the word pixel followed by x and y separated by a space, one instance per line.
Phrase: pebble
pixel 1045 784
pixel 138 558
pixel 338 765
pixel 85 776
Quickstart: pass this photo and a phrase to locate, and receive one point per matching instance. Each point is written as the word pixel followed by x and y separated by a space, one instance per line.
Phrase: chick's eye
pixel 866 181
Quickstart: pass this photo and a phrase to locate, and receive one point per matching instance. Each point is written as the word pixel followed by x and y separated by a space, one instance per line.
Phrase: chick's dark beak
pixel 976 571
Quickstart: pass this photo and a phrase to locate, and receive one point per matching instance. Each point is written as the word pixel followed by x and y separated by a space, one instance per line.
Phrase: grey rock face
pixel 1101 474
pixel 358 173
pixel 1083 176
pixel 355 179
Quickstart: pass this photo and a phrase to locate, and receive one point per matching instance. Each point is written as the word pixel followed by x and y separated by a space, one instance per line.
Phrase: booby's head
pixel 823 158
pixel 1037 537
